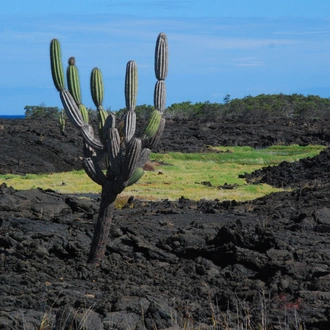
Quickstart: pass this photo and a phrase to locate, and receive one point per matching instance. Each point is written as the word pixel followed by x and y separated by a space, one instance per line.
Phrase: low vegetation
pixel 261 107
pixel 210 175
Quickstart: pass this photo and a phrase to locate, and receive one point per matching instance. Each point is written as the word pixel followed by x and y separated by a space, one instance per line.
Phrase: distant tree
pixel 226 99
pixel 41 111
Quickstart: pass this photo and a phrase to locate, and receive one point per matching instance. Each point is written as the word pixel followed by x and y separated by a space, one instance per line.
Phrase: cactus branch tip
pixel 72 61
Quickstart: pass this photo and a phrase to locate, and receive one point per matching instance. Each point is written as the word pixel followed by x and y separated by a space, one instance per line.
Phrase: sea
pixel 12 116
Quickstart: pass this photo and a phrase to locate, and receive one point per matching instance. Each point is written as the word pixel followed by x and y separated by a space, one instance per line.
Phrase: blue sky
pixel 216 47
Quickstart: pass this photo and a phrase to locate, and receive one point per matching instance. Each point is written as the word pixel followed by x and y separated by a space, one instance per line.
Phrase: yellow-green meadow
pixel 192 175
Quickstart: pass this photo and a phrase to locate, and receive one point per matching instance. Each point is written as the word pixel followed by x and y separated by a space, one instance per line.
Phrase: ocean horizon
pixel 12 116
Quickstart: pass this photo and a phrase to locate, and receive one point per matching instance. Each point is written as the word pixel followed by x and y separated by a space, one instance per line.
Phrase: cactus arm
pixel 97 89
pixel 130 98
pixel 144 157
pixel 131 85
pixel 129 125
pixel 94 171
pixel 161 57
pixel 71 108
pixel 84 113
pixel 154 140
pixel 160 95
pixel 110 122
pixel 88 134
pixel 132 156
pixel 156 124
pixel 74 87
pixel 161 68
pixel 114 152
pixel 72 76
pixel 75 117
pixel 56 65
pixel 153 125
pixel 135 177
pixel 102 117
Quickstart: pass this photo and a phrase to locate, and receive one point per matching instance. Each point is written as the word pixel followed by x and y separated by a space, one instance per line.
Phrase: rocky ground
pixel 169 265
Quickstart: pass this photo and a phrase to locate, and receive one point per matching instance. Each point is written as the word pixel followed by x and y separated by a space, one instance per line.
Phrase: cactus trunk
pixel 103 225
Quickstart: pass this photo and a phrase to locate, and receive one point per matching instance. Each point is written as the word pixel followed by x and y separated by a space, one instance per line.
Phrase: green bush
pixel 41 111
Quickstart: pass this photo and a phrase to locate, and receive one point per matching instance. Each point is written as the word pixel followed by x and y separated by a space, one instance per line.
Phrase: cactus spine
pixel 126 154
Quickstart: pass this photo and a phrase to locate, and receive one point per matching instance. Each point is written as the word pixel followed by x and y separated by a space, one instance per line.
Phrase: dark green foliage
pixel 41 111
pixel 262 107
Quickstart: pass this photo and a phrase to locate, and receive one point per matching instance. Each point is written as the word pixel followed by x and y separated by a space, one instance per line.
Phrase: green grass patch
pixel 193 175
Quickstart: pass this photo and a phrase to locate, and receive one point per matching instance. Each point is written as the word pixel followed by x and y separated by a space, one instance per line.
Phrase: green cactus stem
pixel 94 171
pixel 84 113
pixel 97 89
pixel 136 176
pixel 131 85
pixel 153 124
pixel 132 156
pixel 74 87
pixel 102 116
pixel 88 134
pixel 161 57
pixel 154 140
pixel 156 124
pixel 72 77
pixel 160 95
pixel 56 65
pixel 110 122
pixel 114 153
pixel 71 108
pixel 129 125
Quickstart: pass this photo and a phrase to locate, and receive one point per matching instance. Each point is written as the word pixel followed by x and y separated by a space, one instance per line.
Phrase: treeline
pixel 261 107
pixel 43 111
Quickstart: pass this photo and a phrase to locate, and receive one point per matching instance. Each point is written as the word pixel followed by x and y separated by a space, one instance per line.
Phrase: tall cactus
pixel 126 156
